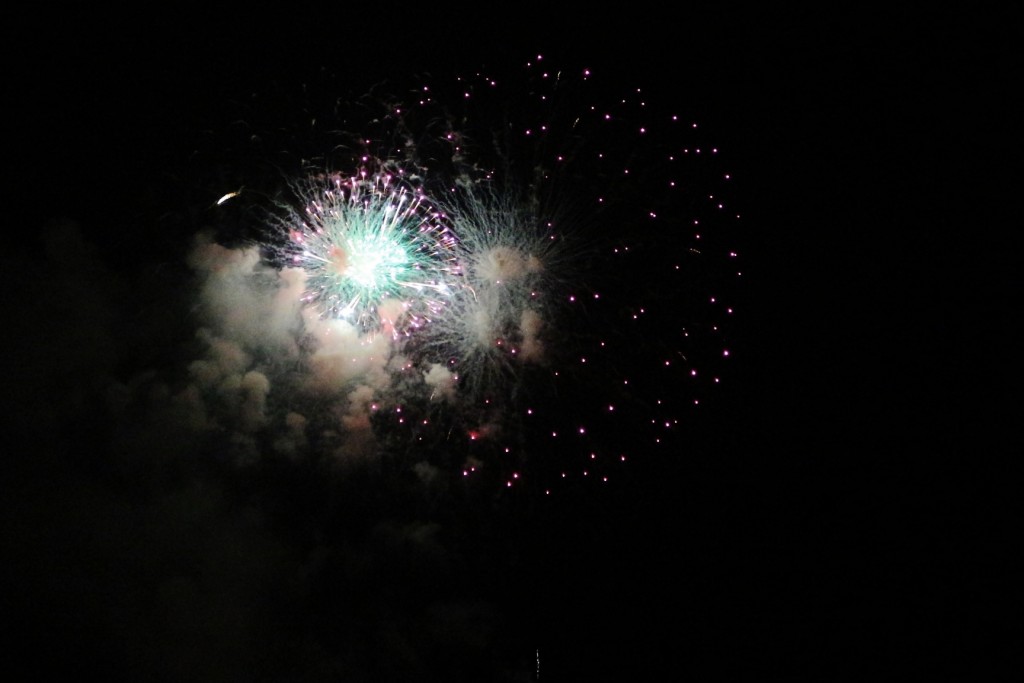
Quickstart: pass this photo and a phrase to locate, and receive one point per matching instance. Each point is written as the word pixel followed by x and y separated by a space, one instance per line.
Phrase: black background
pixel 841 517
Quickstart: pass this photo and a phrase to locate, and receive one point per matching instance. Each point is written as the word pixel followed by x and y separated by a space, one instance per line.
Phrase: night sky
pixel 828 512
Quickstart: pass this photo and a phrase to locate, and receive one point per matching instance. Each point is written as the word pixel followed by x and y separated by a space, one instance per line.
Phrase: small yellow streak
pixel 228 196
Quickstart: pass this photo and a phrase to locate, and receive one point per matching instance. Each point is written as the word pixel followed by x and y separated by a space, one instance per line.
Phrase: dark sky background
pixel 835 515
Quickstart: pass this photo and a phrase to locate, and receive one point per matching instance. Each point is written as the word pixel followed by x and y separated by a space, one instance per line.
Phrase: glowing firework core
pixel 362 241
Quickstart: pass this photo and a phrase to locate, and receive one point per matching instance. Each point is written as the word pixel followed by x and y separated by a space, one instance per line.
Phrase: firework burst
pixel 552 268
pixel 512 266
pixel 374 251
